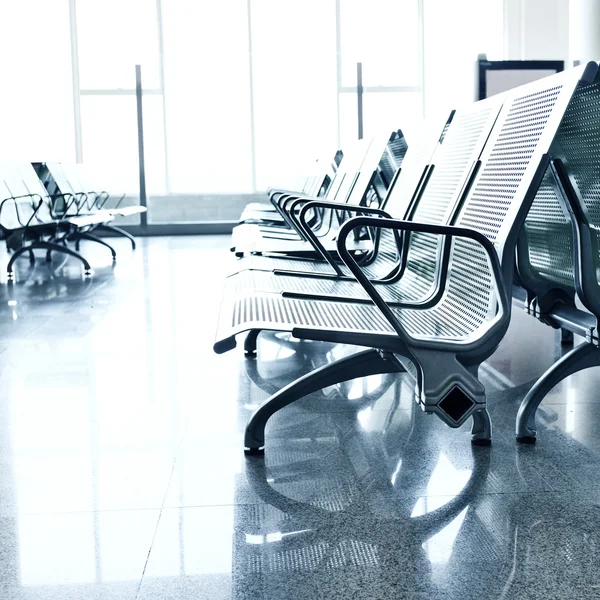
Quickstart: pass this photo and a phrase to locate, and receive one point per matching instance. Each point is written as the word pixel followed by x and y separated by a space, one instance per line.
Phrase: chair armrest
pixel 32 197
pixel 314 240
pixel 281 206
pixel 69 199
pixel 502 294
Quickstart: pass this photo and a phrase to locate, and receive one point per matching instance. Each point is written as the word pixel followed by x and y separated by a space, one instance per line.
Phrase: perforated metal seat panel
pixel 273 312
pixel 262 281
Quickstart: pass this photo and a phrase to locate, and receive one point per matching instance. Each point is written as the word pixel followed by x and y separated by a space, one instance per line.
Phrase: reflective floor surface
pixel 123 476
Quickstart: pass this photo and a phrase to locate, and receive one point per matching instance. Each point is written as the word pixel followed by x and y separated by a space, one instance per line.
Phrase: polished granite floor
pixel 122 474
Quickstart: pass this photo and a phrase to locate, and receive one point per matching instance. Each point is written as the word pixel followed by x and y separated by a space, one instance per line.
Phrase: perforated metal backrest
pixel 9 219
pixel 545 258
pixel 31 180
pixel 417 158
pixel 11 173
pixel 357 190
pixel 322 175
pixel 57 172
pixel 548 229
pixel 453 162
pixel 500 197
pixel 377 153
pixel 398 198
pixel 15 213
pixel 392 158
pixel 346 174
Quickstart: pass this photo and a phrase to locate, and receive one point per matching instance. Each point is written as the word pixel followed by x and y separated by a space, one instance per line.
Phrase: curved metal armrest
pixel 446 230
pixel 290 204
pixel 293 212
pixel 32 197
pixel 282 205
pixel 69 199
pixel 314 240
pixel 100 199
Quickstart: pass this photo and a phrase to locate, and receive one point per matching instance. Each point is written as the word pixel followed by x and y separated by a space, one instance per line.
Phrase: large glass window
pixel 207 86
pixel 239 95
pixel 294 85
pixel 36 116
pixel 385 37
pixel 113 36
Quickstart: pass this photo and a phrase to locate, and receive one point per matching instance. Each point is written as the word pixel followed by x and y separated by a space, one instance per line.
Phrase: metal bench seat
pixel 559 251
pixel 66 205
pixel 73 179
pixel 84 221
pixel 453 164
pixel 29 223
pixel 416 164
pixel 316 184
pixel 442 343
pixel 247 235
pixel 375 169
pixel 262 310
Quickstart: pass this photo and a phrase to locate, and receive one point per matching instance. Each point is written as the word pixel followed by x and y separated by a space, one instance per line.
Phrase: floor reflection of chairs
pixel 360 506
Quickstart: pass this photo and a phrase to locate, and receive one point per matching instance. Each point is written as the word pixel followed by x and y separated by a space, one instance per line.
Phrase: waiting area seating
pixel 33 218
pixel 362 178
pixel 507 193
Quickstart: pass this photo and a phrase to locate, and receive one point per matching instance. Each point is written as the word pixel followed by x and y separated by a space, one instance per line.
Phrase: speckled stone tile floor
pixel 122 474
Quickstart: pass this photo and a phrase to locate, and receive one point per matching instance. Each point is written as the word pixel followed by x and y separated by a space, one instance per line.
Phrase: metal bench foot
pixel 481 433
pixel 361 364
pixel 250 343
pixel 254 451
pixel 526 439
pixel 581 357
pixel 566 337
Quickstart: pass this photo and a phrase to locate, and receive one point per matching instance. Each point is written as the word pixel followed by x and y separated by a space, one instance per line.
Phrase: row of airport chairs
pixel 431 296
pixel 32 218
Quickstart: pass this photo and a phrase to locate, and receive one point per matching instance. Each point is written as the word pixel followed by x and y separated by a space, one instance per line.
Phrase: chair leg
pixel 120 231
pixel 31 257
pixel 52 246
pixel 481 433
pixel 581 357
pixel 566 337
pixel 13 258
pixel 361 364
pixel 250 343
pixel 94 238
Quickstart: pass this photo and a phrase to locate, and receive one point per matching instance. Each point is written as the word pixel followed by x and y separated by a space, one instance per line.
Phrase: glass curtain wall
pixel 238 95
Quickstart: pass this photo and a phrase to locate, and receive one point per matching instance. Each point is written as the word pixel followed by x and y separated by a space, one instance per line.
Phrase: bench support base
pixel 250 343
pixel 50 247
pixel 361 364
pixel 77 237
pixel 581 357
pixel 481 433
